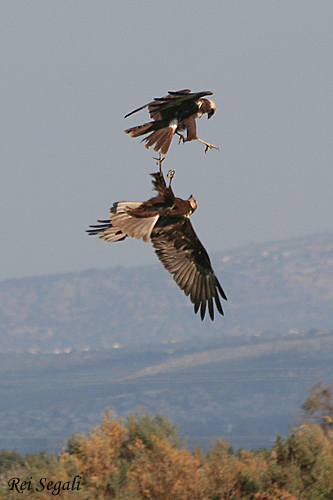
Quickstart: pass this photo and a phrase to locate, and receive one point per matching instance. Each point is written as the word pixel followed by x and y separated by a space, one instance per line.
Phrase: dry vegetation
pixel 144 458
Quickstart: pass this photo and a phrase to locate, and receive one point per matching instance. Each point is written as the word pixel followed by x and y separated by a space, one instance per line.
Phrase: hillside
pixel 244 391
pixel 277 287
pixel 76 343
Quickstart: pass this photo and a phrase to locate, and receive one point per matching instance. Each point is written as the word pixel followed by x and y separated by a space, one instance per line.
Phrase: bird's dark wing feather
pixel 174 101
pixel 172 94
pixel 138 109
pixel 189 94
pixel 168 106
pixel 182 254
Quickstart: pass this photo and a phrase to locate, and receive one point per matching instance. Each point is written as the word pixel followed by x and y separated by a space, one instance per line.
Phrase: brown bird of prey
pixel 165 220
pixel 173 114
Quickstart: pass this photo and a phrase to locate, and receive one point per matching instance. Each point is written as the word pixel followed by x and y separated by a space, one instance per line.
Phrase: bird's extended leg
pixel 181 138
pixel 208 146
pixel 159 162
pixel 171 175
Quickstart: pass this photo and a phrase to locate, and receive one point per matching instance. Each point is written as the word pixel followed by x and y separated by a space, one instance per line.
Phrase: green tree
pixel 142 426
pixel 318 408
pixel 303 464
pixel 10 460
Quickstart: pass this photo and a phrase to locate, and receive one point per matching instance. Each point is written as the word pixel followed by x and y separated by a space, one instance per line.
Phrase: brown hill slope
pixel 280 286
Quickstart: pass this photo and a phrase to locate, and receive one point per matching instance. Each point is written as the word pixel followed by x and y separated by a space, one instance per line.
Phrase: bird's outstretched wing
pixel 182 254
pixel 138 109
pixel 134 218
pixel 187 91
pixel 174 103
pixel 174 100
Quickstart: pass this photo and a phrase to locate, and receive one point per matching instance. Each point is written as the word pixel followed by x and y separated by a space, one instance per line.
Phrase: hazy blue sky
pixel 71 70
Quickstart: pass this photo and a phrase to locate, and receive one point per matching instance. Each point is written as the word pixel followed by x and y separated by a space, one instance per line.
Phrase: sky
pixel 71 70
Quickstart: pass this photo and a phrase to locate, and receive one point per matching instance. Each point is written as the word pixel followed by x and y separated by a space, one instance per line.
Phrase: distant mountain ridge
pixel 280 286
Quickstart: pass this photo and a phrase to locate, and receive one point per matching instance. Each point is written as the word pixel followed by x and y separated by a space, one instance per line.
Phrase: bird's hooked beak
pixel 193 203
pixel 212 108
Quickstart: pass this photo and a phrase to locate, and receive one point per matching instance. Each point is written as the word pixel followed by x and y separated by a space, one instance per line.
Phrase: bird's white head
pixel 207 106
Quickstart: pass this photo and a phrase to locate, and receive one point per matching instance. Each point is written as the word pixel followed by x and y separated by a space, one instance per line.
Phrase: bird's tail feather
pixel 136 227
pixel 106 231
pixel 158 182
pixel 122 223
pixel 140 129
pixel 161 138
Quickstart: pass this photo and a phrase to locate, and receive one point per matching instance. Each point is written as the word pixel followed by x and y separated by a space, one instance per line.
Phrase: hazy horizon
pixel 72 71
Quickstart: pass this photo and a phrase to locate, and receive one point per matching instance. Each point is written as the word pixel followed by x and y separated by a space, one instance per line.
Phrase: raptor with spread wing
pixel 171 115
pixel 165 220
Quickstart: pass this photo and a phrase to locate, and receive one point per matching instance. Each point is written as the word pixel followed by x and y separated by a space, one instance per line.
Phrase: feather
pixel 165 220
pixel 137 227
pixel 178 109
pixel 139 130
